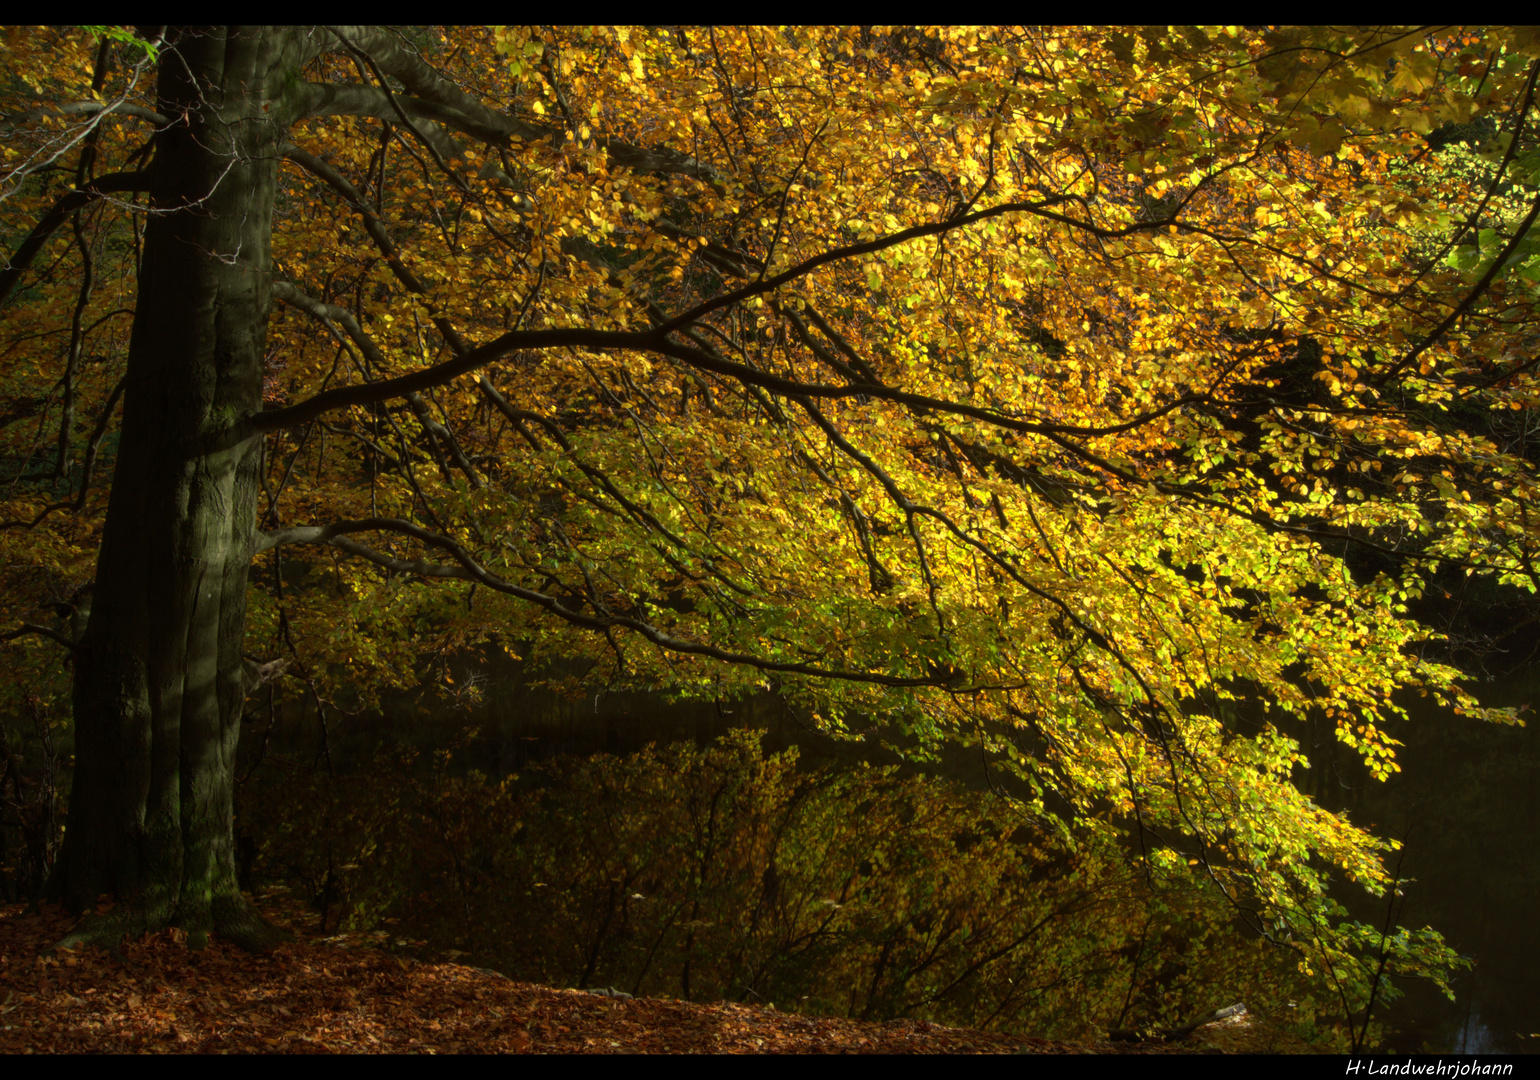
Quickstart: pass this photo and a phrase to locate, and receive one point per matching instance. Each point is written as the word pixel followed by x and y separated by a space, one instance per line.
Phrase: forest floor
pixel 346 995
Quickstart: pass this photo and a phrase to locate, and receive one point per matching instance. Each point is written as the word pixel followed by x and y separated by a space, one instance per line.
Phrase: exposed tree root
pixel 236 922
pixel 239 923
pixel 107 929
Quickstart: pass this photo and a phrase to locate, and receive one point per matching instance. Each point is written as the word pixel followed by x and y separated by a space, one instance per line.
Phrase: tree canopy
pixel 1105 401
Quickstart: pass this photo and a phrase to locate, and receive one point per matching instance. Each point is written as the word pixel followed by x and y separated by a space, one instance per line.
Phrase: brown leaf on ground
pixel 325 996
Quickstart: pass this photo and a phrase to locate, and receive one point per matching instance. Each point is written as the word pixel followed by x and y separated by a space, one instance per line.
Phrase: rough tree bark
pixel 159 683
pixel 159 686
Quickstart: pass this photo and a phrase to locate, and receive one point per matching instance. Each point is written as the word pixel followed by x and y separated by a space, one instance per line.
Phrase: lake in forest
pixel 1467 803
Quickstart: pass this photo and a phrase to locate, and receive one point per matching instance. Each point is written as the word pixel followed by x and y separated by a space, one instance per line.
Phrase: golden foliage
pixel 1054 391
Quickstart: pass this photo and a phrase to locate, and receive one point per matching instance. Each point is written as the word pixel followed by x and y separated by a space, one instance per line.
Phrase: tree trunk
pixel 159 685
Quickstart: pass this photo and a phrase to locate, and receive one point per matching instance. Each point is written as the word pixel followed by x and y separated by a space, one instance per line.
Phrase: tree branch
pixel 350 99
pixel 42 631
pixel 1466 304
pixel 434 96
pixel 83 108
pixel 437 94
pixel 57 215
pixel 354 99
pixel 655 341
pixel 336 535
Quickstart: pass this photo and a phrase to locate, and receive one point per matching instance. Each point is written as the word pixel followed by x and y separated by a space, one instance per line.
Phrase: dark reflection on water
pixel 1466 800
pixel 1468 803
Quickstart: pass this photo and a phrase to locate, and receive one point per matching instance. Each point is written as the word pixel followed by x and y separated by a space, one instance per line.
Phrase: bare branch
pixel 355 99
pixel 439 98
pixel 95 110
pixel 432 95
pixel 42 631
pixel 82 108
pixel 330 314
pixel 57 215
pixel 86 466
pixel 426 121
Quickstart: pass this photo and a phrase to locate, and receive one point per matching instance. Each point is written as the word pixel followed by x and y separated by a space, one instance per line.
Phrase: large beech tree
pixel 1056 392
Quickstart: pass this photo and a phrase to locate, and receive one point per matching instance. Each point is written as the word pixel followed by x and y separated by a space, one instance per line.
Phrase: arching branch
pixel 337 534
pixel 57 215
pixel 83 108
pixel 657 340
pixel 433 96
pixel 331 314
pixel 41 631
pixel 438 96
pixel 351 99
